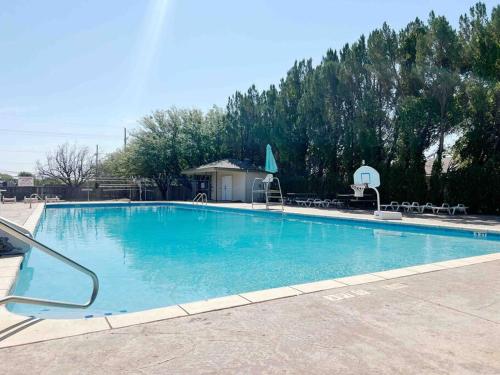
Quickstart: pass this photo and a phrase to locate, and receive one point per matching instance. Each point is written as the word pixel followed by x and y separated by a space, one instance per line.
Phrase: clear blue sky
pixel 86 69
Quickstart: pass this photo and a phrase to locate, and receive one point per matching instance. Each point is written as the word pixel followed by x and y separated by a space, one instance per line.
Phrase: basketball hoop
pixel 365 177
pixel 359 189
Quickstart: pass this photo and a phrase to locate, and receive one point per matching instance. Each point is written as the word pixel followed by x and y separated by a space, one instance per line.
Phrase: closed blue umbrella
pixel 271 166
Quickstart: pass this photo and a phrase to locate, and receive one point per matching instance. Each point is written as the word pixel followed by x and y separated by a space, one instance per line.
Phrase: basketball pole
pixel 378 198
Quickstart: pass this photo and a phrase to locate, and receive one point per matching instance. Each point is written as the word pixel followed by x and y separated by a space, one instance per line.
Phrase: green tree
pixel 387 99
pixel 480 40
pixel 6 177
pixel 155 150
pixel 25 174
pixel 437 58
pixel 291 135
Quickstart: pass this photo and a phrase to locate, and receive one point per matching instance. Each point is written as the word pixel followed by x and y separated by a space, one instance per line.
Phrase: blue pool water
pixel 149 256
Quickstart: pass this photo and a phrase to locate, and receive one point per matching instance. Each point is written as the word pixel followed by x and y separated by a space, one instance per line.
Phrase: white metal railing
pixel 200 198
pixel 25 237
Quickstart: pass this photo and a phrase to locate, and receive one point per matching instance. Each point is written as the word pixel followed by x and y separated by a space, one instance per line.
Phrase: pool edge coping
pixel 111 322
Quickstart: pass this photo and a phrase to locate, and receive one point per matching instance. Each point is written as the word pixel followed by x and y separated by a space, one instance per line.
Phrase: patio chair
pixel 327 203
pixel 34 199
pixel 300 202
pixel 444 207
pixel 405 206
pixel 305 203
pixel 318 203
pixel 414 206
pixel 427 206
pixel 52 200
pixel 8 200
pixel 337 203
pixel 459 208
pixel 309 202
pixel 394 206
pixel 340 203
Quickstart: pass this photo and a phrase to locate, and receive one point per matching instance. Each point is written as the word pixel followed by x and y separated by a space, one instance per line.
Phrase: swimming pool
pixel 149 256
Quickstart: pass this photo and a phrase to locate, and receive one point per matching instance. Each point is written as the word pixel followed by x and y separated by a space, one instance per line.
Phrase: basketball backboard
pixel 367 175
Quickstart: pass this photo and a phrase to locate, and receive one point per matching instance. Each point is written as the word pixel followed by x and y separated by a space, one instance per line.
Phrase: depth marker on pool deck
pixel 339 296
pixel 395 286
pixel 346 295
pixel 360 292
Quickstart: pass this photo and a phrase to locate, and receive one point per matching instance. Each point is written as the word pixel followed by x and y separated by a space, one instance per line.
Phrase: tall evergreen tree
pixel 388 100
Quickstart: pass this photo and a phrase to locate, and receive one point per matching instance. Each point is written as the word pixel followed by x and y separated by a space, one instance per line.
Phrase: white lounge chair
pixel 415 206
pixel 459 208
pixel 305 203
pixel 336 203
pixel 52 200
pixel 34 199
pixel 405 206
pixel 318 203
pixel 9 200
pixel 327 203
pixel 394 206
pixel 444 207
pixel 427 206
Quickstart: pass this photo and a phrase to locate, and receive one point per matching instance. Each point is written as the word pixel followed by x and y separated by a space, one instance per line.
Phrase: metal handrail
pixel 14 232
pixel 32 196
pixel 200 198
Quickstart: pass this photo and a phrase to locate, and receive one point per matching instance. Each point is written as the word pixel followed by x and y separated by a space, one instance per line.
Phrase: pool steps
pixel 21 234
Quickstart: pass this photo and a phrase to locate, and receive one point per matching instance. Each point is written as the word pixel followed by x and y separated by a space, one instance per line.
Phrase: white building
pixel 225 180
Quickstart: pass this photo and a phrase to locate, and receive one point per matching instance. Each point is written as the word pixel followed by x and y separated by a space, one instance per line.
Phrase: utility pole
pixel 96 159
pixel 124 138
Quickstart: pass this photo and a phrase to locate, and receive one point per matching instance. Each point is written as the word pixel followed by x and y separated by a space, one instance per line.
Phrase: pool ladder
pixel 200 198
pixel 24 236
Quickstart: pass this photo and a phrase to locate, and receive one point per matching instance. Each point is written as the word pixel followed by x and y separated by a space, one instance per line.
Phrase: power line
pixel 8 171
pixel 2 151
pixel 20 162
pixel 57 134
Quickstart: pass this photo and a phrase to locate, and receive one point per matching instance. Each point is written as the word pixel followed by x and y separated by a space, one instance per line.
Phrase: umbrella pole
pixel 266 188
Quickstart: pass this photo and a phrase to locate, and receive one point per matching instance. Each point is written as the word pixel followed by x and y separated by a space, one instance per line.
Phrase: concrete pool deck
pixel 432 302
pixel 435 323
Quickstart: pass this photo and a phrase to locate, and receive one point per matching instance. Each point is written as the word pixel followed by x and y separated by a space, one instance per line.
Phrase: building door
pixel 227 188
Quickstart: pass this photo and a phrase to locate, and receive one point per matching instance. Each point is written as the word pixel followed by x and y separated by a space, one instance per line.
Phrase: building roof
pixel 226 164
pixel 446 162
